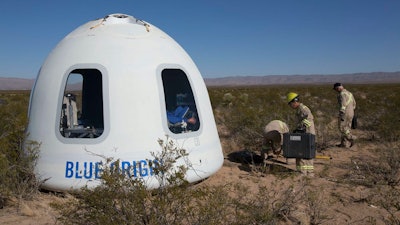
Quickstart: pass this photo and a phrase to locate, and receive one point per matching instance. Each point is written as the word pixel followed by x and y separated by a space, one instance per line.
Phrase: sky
pixel 223 37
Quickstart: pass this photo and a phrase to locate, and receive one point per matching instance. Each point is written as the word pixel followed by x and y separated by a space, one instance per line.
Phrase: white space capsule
pixel 112 88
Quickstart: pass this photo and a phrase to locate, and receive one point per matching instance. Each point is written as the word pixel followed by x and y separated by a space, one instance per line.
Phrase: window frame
pixel 163 104
pixel 106 113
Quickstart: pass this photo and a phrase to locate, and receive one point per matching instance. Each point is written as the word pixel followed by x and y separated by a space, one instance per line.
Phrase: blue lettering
pixel 77 171
pixel 69 169
pixel 125 167
pixel 134 167
pixel 153 165
pixel 143 169
pixel 93 170
pixel 98 169
pixel 87 174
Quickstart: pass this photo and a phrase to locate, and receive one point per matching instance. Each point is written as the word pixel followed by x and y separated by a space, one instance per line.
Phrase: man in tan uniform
pixel 273 138
pixel 304 124
pixel 347 105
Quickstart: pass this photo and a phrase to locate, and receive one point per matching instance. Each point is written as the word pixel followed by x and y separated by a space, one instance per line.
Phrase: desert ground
pixel 341 203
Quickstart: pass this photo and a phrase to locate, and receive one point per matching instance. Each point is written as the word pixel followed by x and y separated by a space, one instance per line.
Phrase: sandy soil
pixel 349 207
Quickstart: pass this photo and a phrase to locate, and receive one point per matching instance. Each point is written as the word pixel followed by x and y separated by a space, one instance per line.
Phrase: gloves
pixel 341 115
pixel 306 123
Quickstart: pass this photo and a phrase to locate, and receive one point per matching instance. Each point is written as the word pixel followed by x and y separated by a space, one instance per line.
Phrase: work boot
pixel 351 142
pixel 341 145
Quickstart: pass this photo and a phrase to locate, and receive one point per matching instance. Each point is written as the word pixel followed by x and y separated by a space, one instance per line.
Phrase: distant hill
pixel 16 83
pixel 355 78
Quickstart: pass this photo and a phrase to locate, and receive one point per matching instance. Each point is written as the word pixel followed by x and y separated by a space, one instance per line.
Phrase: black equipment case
pixel 299 145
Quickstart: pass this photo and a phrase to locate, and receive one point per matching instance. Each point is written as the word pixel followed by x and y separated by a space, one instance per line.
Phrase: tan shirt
pixel 346 102
pixel 305 118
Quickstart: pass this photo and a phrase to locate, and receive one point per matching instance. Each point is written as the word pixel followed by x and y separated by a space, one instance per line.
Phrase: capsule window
pixel 82 112
pixel 181 109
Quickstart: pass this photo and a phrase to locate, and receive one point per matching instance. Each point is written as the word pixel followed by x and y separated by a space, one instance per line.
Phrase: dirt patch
pixel 35 211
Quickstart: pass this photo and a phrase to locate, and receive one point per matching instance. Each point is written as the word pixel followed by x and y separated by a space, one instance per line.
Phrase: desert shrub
pixel 16 162
pixel 389 121
pixel 377 110
pixel 263 210
pixel 246 110
pixel 383 169
pixel 295 204
pixel 382 175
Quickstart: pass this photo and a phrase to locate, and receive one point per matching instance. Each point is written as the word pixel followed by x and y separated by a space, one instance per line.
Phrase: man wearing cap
pixel 305 124
pixel 347 105
pixel 273 138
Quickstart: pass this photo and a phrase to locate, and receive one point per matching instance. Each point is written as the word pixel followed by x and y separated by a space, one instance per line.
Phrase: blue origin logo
pixel 93 170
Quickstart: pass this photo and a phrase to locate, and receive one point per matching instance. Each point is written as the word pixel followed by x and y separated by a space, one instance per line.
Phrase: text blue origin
pixel 93 170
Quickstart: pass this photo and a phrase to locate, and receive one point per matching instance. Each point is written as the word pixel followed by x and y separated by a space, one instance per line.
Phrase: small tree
pixel 123 199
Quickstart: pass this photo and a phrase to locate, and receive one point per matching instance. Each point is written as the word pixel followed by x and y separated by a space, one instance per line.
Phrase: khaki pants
pixel 305 166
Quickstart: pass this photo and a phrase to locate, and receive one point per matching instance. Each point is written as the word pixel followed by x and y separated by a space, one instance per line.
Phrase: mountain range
pixel 354 78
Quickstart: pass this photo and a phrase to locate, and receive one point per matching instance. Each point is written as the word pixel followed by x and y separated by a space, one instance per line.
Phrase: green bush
pixel 16 164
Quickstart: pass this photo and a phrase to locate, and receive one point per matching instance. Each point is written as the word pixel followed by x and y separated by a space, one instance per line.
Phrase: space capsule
pixel 112 88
